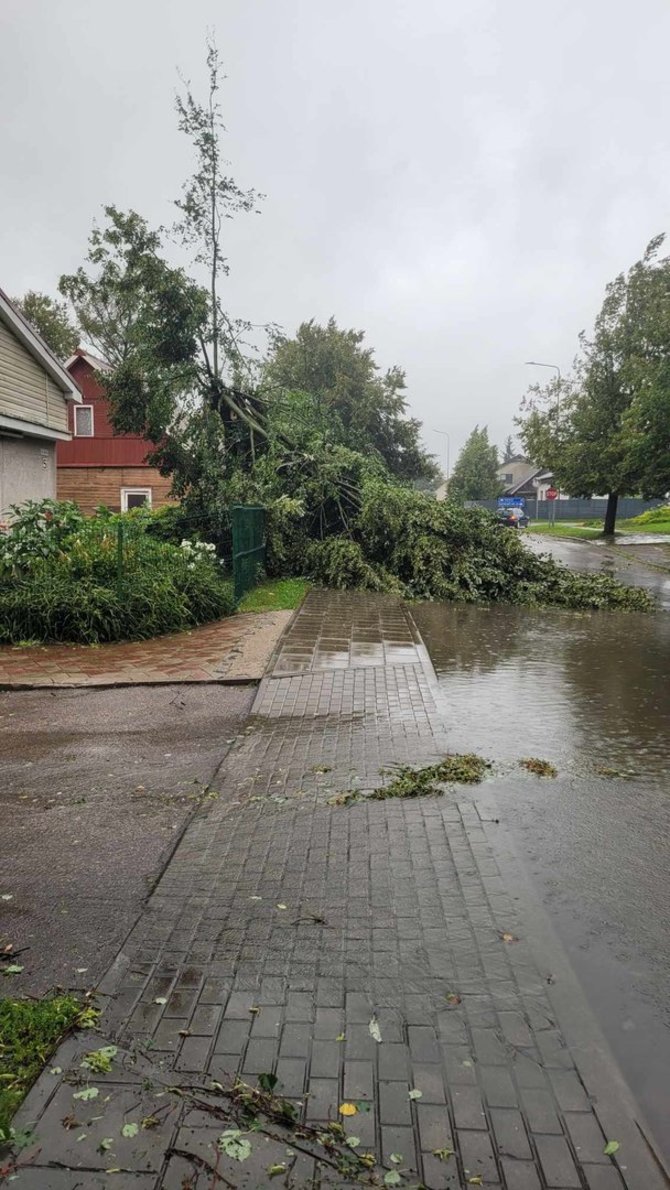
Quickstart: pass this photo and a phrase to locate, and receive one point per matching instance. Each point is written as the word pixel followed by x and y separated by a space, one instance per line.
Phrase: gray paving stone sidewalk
pixel 284 925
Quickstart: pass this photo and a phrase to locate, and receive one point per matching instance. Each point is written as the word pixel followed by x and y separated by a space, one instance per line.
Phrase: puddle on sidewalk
pixel 584 690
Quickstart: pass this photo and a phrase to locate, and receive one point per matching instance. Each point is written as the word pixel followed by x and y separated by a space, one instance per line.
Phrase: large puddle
pixel 586 691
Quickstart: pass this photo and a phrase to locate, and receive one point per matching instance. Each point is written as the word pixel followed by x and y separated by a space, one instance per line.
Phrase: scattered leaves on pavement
pixel 348 1109
pixel 392 1178
pixel 611 1147
pixel 106 1143
pixel 453 998
pixel 443 1154
pixel 160 999
pixel 12 969
pixel 395 1158
pixel 86 1094
pixel 234 1144
pixel 415 1094
pixel 541 768
pixel 506 936
pixel 100 1060
pixel 353 1141
pixel 129 1130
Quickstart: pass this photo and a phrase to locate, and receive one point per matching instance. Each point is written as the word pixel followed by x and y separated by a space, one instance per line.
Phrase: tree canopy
pixel 51 319
pixel 475 476
pixel 329 381
pixel 606 427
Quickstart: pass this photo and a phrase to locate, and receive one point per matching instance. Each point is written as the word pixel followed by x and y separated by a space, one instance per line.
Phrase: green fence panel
pixel 248 525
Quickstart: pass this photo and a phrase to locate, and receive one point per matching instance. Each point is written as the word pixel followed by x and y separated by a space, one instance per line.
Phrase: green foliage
pixel 39 528
pixel 467 769
pixel 72 587
pixel 51 320
pixel 29 1032
pixel 404 541
pixel 475 476
pixel 653 516
pixel 324 386
pixel 606 428
pixel 340 562
pixel 143 317
pixel 279 594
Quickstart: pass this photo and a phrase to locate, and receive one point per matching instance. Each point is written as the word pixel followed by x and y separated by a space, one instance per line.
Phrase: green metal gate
pixel 248 525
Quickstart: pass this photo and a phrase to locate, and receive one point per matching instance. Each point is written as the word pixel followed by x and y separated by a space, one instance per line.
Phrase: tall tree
pixel 508 449
pixel 606 428
pixel 326 379
pixel 475 476
pixel 51 319
pixel 209 198
pixel 177 355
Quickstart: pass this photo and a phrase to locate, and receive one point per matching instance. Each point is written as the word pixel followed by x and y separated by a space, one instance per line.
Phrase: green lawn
pixel 565 530
pixel 29 1033
pixel 277 594
pixel 590 529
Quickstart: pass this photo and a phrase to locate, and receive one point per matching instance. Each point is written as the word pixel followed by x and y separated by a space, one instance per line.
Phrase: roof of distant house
pixel 34 344
pixel 100 365
pixel 539 473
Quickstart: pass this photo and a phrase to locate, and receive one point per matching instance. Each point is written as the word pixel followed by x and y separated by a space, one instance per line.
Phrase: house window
pixel 509 477
pixel 135 498
pixel 83 421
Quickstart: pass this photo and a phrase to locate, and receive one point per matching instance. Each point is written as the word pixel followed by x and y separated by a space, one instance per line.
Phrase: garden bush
pixel 68 585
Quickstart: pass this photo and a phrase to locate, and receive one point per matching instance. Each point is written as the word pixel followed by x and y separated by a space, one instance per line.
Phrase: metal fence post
pixel 119 554
pixel 248 532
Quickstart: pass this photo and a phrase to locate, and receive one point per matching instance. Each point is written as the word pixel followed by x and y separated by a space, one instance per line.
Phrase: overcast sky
pixel 458 179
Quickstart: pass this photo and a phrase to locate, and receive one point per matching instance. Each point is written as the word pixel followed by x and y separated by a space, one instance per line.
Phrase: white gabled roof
pixel 35 345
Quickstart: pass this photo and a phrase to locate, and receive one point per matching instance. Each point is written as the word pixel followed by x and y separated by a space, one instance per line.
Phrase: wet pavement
pixel 96 786
pixel 635 560
pixel 387 955
pixel 236 649
pixel 589 692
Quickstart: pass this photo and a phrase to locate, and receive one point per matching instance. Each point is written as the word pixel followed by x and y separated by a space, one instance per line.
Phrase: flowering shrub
pixel 65 577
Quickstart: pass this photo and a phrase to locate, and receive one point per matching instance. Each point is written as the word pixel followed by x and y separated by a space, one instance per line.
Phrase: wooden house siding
pixel 91 486
pixel 27 392
pixel 105 448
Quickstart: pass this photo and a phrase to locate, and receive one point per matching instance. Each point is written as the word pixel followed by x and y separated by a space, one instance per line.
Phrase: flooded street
pixel 590 693
pixel 641 560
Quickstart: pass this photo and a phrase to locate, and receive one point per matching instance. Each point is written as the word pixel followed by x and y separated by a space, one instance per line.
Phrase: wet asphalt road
pixel 638 561
pixel 95 788
pixel 589 692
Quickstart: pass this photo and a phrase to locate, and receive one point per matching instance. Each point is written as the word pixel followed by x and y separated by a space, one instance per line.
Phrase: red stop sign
pixel 552 494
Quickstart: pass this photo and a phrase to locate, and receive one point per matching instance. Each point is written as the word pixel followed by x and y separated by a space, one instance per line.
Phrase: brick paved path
pixel 237 647
pixel 322 918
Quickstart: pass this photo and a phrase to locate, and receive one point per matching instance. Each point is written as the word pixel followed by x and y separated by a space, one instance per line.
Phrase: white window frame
pixel 76 431
pixel 126 492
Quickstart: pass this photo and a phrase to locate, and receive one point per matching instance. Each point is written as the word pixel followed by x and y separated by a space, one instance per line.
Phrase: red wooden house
pixel 98 466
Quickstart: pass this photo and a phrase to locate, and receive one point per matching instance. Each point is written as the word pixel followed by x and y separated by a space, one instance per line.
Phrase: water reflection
pixel 582 689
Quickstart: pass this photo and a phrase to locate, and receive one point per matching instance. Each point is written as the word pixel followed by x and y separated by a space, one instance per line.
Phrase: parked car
pixel 513 518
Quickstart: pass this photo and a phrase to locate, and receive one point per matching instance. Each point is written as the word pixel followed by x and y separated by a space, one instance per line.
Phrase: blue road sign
pixel 511 502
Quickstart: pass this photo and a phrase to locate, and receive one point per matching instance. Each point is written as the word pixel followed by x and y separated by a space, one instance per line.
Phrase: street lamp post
pixel 447 449
pixel 534 363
